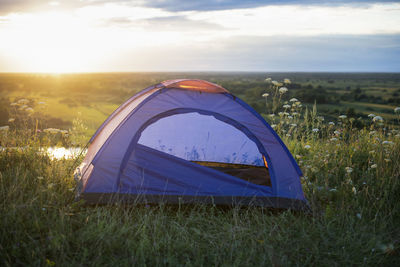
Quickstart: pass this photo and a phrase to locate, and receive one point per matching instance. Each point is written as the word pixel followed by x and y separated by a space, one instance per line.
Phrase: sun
pixel 49 42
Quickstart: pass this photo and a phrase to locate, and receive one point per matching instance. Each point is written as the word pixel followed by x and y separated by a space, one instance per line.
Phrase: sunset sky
pixel 176 35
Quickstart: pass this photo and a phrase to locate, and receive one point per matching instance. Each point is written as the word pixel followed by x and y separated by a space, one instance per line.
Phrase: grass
pixel 351 179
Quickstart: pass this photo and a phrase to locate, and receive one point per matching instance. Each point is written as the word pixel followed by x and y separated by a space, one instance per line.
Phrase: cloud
pixel 209 5
pixel 23 6
pixel 169 24
pixel 340 53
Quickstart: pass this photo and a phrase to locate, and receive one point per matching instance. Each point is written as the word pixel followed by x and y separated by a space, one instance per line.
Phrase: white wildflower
pixel 354 190
pixel 336 132
pixel 287 81
pixel 286 106
pixel 51 130
pixel 283 90
pixel 265 95
pixel 273 126
pixel 307 146
pixel 342 117
pixel 294 100
pixel 293 124
pixel 333 139
pixel 275 83
pixel 315 130
pixel 11 120
pixel 29 110
pixel 372 132
pixel 4 128
pixel 331 123
pixel 271 115
pixel 387 143
pixel 349 169
pixel 397 110
pixel 23 101
pixel 13 104
pixel 333 190
pixel 371 115
pixel 321 118
pixel 374 166
pixel 377 118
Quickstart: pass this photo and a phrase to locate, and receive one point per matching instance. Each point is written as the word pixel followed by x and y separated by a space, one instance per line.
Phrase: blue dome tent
pixel 189 141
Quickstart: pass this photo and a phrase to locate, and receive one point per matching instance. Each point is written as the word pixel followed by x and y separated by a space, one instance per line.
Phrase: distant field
pixel 92 97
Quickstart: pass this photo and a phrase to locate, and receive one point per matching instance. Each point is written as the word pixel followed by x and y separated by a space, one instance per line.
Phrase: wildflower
pixel 286 106
pixel 307 146
pixel 342 117
pixel 349 169
pixel 298 156
pixel 358 215
pixel 294 100
pixel 331 123
pixel 23 107
pixel 371 115
pixel 268 80
pixel 11 120
pixel 387 160
pixel 71 189
pixel 387 143
pixel 4 128
pixel 265 95
pixel 354 190
pixel 29 110
pixel 40 178
pixel 293 124
pixel 283 90
pixel 333 190
pixel 23 101
pixel 371 152
pixel 336 132
pixel 315 130
pixel 271 115
pixel 13 104
pixel 273 126
pixel 298 103
pixel 321 118
pixel 295 113
pixel 51 185
pixel 372 132
pixel 285 113
pixel 51 130
pixel 377 118
pixel 397 110
pixel 280 113
pixel 275 83
pixel 334 139
pixel 290 117
pixel 374 166
pixel 64 131
pixel 287 81
pixel 288 135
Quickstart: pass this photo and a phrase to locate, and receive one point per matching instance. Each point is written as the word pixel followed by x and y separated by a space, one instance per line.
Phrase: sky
pixel 208 35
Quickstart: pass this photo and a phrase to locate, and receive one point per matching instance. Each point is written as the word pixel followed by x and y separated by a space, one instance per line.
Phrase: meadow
pixel 342 128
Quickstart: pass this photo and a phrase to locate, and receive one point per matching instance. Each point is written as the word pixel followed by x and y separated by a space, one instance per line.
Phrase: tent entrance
pixel 208 141
pixel 253 174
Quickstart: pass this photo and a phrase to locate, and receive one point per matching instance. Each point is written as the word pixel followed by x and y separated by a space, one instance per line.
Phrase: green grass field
pixel 351 180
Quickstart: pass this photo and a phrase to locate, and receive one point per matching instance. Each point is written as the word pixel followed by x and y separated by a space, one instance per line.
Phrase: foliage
pixel 351 179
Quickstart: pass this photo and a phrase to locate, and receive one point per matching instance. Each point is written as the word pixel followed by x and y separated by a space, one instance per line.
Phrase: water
pixel 55 153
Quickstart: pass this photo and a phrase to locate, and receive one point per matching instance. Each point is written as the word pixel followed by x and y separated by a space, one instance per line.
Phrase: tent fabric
pixel 146 147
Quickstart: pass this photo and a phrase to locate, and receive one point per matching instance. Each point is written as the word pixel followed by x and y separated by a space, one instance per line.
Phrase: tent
pixel 189 141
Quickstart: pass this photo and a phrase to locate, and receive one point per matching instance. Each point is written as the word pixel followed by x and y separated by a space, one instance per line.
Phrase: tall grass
pixel 351 179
